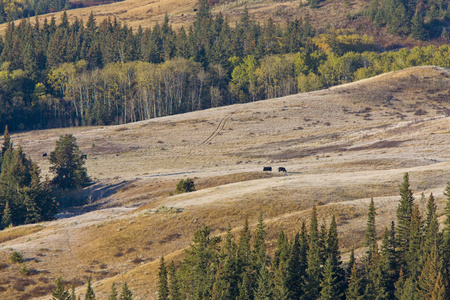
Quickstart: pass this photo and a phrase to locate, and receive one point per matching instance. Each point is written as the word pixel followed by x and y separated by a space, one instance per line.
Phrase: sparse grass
pixel 14 233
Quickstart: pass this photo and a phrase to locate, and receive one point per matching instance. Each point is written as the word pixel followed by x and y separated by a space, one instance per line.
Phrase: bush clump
pixel 185 186
pixel 16 257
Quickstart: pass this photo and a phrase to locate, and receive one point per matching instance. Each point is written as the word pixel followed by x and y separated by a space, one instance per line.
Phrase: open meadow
pixel 341 147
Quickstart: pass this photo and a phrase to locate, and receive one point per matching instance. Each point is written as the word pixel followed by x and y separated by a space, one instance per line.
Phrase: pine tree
pixel 354 291
pixel 263 284
pixel 295 269
pixel 68 163
pixel 6 141
pixel 418 31
pixel 413 256
pixel 404 212
pixel 73 295
pixel 59 293
pixel 371 234
pixel 174 287
pixel 259 245
pixel 245 291
pixel 335 256
pixel 432 237
pixel 430 277
pixel 163 285
pixel 90 295
pixel 330 286
pixel 6 218
pixel 126 294
pixel 446 243
pixel 311 282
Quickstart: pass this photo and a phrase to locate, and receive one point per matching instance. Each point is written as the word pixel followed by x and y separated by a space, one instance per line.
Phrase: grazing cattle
pixel 44 155
pixel 267 169
pixel 282 169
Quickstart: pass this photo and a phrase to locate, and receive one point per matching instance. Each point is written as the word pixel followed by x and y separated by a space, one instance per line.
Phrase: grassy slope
pixel 340 146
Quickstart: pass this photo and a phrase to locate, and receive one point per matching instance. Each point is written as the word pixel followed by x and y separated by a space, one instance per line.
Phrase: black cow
pixel 282 169
pixel 267 169
pixel 44 155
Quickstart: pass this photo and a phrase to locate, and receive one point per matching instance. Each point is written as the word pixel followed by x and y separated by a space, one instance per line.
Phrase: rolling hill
pixel 340 146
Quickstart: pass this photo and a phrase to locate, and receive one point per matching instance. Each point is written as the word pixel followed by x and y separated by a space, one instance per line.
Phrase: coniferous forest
pixel 411 262
pixel 56 73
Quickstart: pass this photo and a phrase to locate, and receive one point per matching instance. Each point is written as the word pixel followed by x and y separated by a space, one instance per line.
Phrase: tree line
pixel 24 196
pixel 74 74
pixel 411 262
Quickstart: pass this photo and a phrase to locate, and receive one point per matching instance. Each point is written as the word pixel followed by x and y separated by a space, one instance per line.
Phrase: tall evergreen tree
pixel 163 284
pixel 174 286
pixel 68 163
pixel 113 293
pixel 404 212
pixel 311 282
pixel 330 285
pixel 90 295
pixel 59 293
pixel 371 234
pixel 126 294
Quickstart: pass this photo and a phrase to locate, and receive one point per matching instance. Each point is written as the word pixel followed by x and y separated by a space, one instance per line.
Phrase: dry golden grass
pixel 17 232
pixel 338 167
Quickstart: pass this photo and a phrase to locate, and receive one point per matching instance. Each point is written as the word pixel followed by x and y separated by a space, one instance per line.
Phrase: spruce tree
pixel 354 290
pixel 418 31
pixel 126 294
pixel 90 295
pixel 163 285
pixel 259 245
pixel 312 279
pixel 6 218
pixel 430 277
pixel 174 287
pixel 59 293
pixel 245 288
pixel 371 234
pixel 413 256
pixel 73 295
pixel 113 293
pixel 404 212
pixel 68 163
pixel 263 284
pixel 446 243
pixel 330 285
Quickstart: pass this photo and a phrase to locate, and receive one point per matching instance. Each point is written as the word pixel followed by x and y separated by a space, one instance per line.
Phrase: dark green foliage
pixel 68 164
pixel 185 186
pixel 16 257
pixel 90 295
pixel 126 294
pixel 354 291
pixel 330 284
pixel 59 293
pixel 163 284
pixel 371 235
pixel 418 31
pixel 313 277
pixel 199 265
pixel 174 287
pixel 404 213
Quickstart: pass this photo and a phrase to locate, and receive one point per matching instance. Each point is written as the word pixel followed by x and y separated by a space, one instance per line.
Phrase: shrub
pixel 185 186
pixel 16 257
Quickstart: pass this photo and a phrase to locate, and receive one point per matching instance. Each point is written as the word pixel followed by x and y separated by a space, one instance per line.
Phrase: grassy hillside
pixel 340 146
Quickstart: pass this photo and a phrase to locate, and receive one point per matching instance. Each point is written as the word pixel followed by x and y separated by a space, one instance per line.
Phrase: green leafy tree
pixel 68 164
